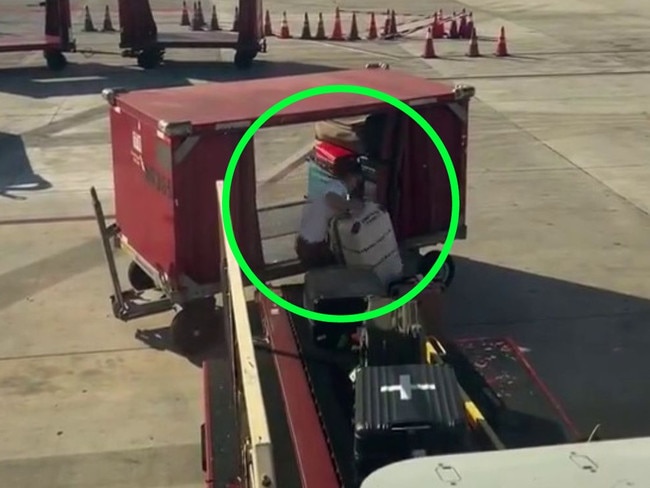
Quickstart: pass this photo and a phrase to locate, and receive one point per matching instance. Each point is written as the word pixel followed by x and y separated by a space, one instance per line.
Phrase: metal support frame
pixel 259 451
pixel 129 304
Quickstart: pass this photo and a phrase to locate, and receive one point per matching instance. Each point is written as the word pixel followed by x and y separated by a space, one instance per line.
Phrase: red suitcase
pixel 333 159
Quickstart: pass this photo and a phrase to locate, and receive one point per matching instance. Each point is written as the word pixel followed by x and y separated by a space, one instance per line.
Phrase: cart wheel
pixel 55 60
pixel 150 58
pixel 139 280
pixel 244 59
pixel 194 326
pixel 446 273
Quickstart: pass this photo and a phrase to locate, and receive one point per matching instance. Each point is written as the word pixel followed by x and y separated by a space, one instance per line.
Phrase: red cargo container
pixel 171 145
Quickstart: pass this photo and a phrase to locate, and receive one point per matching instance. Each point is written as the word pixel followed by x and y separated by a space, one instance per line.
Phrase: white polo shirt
pixel 317 213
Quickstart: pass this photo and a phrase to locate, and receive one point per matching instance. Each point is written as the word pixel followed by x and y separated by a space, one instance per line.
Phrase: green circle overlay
pixel 326 90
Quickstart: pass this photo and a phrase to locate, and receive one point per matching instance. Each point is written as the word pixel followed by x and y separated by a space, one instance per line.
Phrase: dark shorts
pixel 314 254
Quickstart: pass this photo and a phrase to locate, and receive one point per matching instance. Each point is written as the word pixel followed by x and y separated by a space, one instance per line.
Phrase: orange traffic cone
pixel 306 30
pixel 235 21
pixel 284 27
pixel 196 20
pixel 337 32
pixel 354 29
pixel 108 24
pixel 429 51
pixel 393 24
pixel 472 51
pixel 88 21
pixel 502 48
pixel 372 30
pixel 320 28
pixel 453 28
pixel 462 26
pixel 470 24
pixel 435 27
pixel 268 27
pixel 185 16
pixel 200 15
pixel 386 30
pixel 214 21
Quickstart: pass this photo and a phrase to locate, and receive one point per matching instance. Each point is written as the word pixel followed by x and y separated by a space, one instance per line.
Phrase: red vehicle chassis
pixel 139 36
pixel 55 41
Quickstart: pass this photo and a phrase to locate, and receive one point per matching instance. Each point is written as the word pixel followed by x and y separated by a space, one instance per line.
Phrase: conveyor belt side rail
pixel 259 455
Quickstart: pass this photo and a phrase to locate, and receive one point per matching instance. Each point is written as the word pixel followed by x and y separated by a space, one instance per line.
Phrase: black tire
pixel 193 328
pixel 56 60
pixel 150 58
pixel 244 59
pixel 447 272
pixel 138 279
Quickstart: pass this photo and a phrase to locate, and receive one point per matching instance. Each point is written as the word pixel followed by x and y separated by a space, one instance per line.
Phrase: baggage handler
pixel 312 243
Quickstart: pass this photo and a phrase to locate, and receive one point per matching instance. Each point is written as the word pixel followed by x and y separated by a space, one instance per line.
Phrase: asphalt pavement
pixel 558 216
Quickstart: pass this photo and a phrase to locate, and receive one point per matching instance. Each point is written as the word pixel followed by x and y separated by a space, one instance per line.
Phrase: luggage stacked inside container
pixel 342 144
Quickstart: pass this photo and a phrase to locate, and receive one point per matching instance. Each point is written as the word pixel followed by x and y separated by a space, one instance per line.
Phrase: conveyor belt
pixel 516 404
pixel 331 389
pixel 520 411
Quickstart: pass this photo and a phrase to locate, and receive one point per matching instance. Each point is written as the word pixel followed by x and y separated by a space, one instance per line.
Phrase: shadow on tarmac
pixel 92 78
pixel 588 345
pixel 16 173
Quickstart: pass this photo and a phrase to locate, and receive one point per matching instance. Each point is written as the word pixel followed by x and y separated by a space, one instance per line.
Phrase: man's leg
pixel 314 254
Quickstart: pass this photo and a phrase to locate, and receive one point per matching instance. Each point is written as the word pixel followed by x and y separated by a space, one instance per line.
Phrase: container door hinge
pixel 185 148
pixel 459 111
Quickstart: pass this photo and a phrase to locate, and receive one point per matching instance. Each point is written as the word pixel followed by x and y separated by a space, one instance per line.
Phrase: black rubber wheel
pixel 56 60
pixel 193 328
pixel 244 59
pixel 138 279
pixel 446 273
pixel 150 59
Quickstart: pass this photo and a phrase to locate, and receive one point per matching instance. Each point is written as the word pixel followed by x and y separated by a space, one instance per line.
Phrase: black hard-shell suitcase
pixel 393 339
pixel 341 291
pixel 406 411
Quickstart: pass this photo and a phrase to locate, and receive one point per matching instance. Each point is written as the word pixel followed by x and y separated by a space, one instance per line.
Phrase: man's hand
pixel 355 207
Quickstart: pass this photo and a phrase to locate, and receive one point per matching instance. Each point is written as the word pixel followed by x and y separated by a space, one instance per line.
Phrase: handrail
pixel 262 474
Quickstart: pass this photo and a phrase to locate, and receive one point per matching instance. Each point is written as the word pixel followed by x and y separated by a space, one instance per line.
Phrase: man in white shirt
pixel 312 246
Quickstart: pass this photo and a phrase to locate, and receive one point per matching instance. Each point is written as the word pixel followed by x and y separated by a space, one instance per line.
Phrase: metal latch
pixel 175 129
pixel 377 66
pixel 463 92
pixel 110 95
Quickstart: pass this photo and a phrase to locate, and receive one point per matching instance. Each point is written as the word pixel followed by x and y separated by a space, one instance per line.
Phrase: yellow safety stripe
pixel 474 415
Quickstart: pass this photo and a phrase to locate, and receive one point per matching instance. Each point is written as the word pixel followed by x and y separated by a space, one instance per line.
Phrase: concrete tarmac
pixel 557 212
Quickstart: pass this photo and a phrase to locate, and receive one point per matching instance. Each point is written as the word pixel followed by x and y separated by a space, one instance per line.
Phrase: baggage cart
pixel 170 146
pixel 140 38
pixel 56 39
